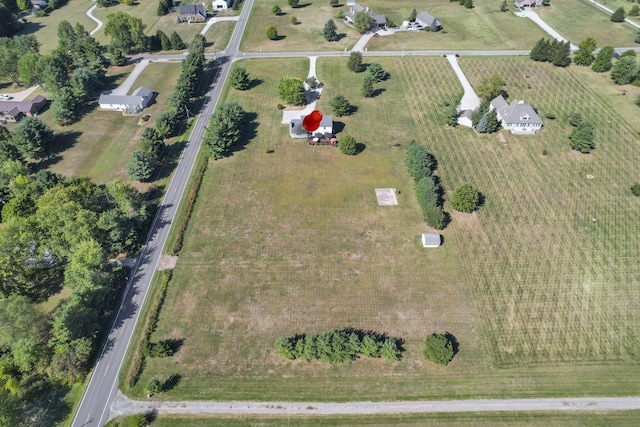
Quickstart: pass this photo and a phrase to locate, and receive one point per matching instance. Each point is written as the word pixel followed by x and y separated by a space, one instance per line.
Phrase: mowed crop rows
pixel 553 255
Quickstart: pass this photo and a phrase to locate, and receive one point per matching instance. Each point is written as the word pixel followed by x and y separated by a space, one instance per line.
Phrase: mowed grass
pixel 100 144
pixel 46 28
pixel 540 297
pixel 615 4
pixel 595 418
pixel 481 28
pixel 576 20
pixel 146 10
pixel 304 36
pixel 218 36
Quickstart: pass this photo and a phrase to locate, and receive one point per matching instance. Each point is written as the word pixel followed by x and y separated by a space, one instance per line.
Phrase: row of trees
pixel 420 165
pixel 339 346
pixel 224 130
pixel 554 51
pixel 147 159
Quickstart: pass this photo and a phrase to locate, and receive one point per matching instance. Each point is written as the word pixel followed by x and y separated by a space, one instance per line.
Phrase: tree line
pixel 420 165
pixel 339 346
pixel 9 10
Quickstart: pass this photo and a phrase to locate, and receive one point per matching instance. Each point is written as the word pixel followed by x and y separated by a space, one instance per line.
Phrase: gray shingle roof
pixel 196 9
pixel 517 112
pixel 425 18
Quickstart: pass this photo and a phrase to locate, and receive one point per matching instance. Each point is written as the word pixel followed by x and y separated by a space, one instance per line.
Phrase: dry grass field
pixel 541 297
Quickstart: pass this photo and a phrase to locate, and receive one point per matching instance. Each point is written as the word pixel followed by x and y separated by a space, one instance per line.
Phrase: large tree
pixel 603 60
pixel 140 166
pixel 32 137
pixel 582 137
pixel 224 130
pixel 362 21
pixel 561 53
pixel 584 54
pixel 625 70
pixel 367 86
pixel 490 87
pixel 291 90
pixel 126 32
pixel 354 63
pixel 65 106
pixel 377 72
pixel 541 52
pixel 239 78
pixel 11 50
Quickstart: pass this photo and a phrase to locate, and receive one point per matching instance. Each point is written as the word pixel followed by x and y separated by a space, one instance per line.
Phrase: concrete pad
pixel 386 196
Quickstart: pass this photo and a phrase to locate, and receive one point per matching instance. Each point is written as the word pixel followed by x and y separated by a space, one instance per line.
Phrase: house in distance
pixel 128 104
pixel 518 117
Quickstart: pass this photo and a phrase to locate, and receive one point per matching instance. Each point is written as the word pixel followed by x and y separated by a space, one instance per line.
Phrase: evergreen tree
pixel 635 10
pixel 165 43
pixel 334 3
pixel 468 4
pixel 482 124
pixel 239 78
pixel 504 7
pixel 376 71
pixel 341 106
pixel 618 15
pixel 354 63
pixel 603 60
pixel 582 137
pixel 561 54
pixel 272 32
pixel 276 10
pixel 140 166
pixel 330 31
pixel 412 16
pixel 367 86
pixel 493 124
pixel 541 51
pixel 584 54
pixel 176 42
pixel 625 70
pixel 64 107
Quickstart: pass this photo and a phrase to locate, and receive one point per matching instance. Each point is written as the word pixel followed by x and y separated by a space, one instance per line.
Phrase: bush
pixel 635 189
pixel 434 216
pixel 575 118
pixel 153 387
pixel 311 82
pixel 272 32
pixel 291 90
pixel 354 63
pixel 438 349
pixel 418 161
pixel 348 145
pixel 582 137
pixel 465 198
pixel 618 15
pixel 427 191
pixel 276 10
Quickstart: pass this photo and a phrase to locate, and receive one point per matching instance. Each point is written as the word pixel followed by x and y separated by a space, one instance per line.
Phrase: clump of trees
pixel 348 145
pixel 555 51
pixel 439 348
pixel 224 130
pixel 239 78
pixel 185 89
pixel 625 70
pixel 291 90
pixel 339 346
pixel 420 165
pixel 582 137
pixel 127 36
pixel 362 21
pixel 465 198
pixel 147 159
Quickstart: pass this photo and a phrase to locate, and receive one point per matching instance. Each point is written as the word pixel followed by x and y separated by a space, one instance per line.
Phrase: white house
pixel 296 130
pixel 219 4
pixel 518 117
pixel 527 3
pixel 379 20
pixel 128 104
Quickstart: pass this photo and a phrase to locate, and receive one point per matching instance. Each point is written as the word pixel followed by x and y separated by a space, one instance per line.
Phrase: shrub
pixel 427 191
pixel 582 137
pixel 294 20
pixel 635 189
pixel 276 10
pixel 291 90
pixel 618 15
pixel 311 82
pixel 153 387
pixel 438 349
pixel 348 145
pixel 272 32
pixel 638 101
pixel 465 198
pixel 434 216
pixel 575 118
pixel 418 161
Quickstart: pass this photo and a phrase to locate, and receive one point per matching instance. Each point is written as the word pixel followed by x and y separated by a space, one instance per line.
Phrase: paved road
pixel 125 406
pixel 102 388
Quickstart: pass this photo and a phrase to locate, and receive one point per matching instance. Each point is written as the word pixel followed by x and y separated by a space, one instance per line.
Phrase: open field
pixel 620 418
pixel 304 36
pixel 46 28
pixel 540 297
pixel 100 144
pixel 481 28
pixel 576 20
pixel 218 36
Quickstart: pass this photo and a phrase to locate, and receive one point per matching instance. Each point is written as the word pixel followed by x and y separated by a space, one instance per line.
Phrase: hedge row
pixel 339 346
pixel 420 165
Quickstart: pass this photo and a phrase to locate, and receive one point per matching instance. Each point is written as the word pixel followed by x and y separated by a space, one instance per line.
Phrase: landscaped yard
pixel 482 28
pixel 46 28
pixel 304 36
pixel 576 20
pixel 538 286
pixel 615 4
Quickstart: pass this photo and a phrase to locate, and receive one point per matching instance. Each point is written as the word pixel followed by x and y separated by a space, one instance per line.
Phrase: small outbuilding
pixel 431 240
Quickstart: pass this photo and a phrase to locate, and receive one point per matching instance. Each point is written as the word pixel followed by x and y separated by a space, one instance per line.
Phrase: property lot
pixel 577 19
pixel 304 36
pixel 482 28
pixel 540 296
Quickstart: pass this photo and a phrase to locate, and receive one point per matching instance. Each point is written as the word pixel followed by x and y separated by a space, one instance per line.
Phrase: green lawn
pixel 46 28
pixel 576 20
pixel 481 28
pixel 615 4
pixel 596 418
pixel 540 297
pixel 100 144
pixel 218 36
pixel 304 36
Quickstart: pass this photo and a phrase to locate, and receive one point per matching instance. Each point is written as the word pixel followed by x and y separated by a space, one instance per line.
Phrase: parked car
pixel 5 97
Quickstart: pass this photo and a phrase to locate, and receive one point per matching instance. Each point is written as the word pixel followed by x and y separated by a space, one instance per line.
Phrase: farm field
pixel 576 20
pixel 46 28
pixel 540 296
pixel 596 418
pixel 304 36
pixel 482 28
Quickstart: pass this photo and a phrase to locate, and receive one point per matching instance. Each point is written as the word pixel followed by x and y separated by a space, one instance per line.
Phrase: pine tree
pixel 367 86
pixel 504 7
pixel 618 15
pixel 584 55
pixel 354 63
pixel 412 16
pixel 239 78
pixel 468 4
pixel 482 124
pixel 330 31
pixel 493 124
pixel 540 51
pixel 176 41
pixel 165 43
pixel 603 60
pixel 561 54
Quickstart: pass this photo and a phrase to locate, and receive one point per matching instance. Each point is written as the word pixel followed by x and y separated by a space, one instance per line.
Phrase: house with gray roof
pixel 128 104
pixel 192 12
pixel 427 21
pixel 297 131
pixel 518 117
pixel 13 111
pixel 527 3
pixel 379 21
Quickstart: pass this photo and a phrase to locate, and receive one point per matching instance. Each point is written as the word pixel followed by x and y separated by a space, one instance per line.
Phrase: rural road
pixel 95 408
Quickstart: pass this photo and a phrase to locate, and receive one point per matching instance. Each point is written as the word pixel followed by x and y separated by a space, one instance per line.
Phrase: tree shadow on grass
pixel 280 37
pixel 249 132
pixel 338 127
pixel 302 5
pixel 481 201
pixel 378 91
pixel 50 408
pixel 171 382
pixel 254 83
pixel 29 28
pixel 454 343
pixel 171 159
pixel 61 142
pixel 340 36
pixel 360 147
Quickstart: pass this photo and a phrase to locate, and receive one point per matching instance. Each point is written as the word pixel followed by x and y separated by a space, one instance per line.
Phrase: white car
pixel 4 97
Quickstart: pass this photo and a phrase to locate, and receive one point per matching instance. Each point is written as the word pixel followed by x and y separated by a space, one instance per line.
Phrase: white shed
pixel 431 240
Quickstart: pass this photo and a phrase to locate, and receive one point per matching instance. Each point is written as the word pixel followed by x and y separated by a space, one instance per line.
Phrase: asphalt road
pixel 102 389
pixel 103 385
